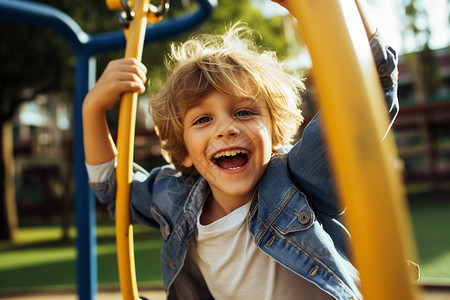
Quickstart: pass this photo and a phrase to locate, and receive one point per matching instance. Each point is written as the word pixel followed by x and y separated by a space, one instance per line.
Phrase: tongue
pixel 232 162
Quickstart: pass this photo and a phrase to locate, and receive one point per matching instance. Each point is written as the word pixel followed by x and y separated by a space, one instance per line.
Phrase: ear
pixel 187 161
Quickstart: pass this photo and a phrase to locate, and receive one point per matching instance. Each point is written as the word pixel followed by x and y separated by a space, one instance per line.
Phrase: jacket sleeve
pixel 144 188
pixel 308 160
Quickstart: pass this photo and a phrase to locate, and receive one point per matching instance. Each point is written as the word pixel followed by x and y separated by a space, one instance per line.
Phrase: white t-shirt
pixel 234 268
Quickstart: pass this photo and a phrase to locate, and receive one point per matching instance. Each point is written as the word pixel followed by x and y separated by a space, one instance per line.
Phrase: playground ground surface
pixel 152 294
pixel 430 292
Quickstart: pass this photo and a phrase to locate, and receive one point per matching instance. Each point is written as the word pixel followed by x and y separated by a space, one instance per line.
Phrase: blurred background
pixel 37 249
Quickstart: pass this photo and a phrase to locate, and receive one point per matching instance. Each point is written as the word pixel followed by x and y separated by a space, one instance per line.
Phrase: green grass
pixel 39 259
pixel 430 213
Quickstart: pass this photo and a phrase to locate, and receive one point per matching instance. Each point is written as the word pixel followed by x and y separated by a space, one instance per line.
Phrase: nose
pixel 227 131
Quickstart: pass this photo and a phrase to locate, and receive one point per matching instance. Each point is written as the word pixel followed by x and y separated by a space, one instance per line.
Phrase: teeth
pixel 230 153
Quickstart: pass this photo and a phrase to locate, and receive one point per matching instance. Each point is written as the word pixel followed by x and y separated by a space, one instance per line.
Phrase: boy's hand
pixel 120 76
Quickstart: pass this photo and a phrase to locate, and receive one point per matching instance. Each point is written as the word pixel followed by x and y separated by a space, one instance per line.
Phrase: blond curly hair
pixel 232 64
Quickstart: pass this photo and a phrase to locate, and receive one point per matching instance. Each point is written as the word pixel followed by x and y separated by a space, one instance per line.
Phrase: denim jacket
pixel 294 216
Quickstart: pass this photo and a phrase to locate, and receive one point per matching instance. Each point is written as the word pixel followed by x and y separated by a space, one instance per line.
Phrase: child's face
pixel 229 142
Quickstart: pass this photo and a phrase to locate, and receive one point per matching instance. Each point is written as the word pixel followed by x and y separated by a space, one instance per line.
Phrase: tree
pixel 421 60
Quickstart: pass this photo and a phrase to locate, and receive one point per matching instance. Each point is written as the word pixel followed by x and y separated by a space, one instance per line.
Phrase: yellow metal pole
pixel 366 169
pixel 125 145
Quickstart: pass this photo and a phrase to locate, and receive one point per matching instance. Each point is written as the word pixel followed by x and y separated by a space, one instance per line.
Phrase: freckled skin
pixel 222 123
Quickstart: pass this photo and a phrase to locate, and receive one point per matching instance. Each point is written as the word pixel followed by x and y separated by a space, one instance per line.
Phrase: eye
pixel 202 120
pixel 244 113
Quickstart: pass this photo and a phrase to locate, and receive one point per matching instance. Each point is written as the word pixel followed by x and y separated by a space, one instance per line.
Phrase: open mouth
pixel 231 159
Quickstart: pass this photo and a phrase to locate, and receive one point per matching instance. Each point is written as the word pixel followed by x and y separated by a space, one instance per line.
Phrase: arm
pixel 145 187
pixel 120 76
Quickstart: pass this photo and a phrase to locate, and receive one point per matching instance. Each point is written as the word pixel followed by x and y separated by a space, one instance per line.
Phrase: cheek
pixel 264 137
pixel 266 131
pixel 188 142
pixel 271 145
pixel 193 142
pixel 196 146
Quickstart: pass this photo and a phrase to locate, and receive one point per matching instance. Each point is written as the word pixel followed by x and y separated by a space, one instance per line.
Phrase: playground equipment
pixel 366 169
pixel 84 47
pixel 351 108
pixel 136 22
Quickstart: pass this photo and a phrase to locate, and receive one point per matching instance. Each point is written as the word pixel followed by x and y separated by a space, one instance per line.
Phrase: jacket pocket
pixel 295 214
pixel 297 226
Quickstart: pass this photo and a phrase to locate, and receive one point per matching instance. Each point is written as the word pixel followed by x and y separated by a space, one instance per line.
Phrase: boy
pixel 241 213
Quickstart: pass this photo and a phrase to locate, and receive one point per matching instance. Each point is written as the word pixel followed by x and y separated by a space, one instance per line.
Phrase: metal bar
pixel 84 199
pixel 355 120
pixel 125 146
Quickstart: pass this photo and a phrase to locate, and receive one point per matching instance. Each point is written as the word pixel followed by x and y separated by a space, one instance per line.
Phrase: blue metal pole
pixel 84 199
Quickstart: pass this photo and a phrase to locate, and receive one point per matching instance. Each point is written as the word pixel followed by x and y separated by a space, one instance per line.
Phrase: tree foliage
pixel 422 62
